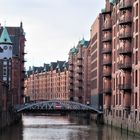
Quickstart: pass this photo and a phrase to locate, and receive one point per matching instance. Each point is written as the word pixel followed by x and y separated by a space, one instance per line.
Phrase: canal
pixel 61 128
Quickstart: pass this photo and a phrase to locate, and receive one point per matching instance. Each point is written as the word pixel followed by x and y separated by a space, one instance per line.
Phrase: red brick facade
pixel 11 74
pixel 79 67
pixel 96 68
pixel 49 84
pixel 121 32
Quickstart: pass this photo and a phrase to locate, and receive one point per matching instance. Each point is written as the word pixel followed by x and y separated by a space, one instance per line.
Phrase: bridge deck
pixel 56 106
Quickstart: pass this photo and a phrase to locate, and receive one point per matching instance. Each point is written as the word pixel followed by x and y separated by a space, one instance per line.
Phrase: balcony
pixel 125 66
pixel 125 36
pixel 107 91
pixel 79 70
pixel 107 62
pixel 71 81
pixel 125 51
pixel 23 71
pixel 125 21
pixel 24 53
pixel 107 74
pixel 106 11
pixel 79 77
pixel 70 68
pixel 107 27
pixel 79 63
pixel 107 39
pixel 125 87
pixel 23 87
pixel 23 61
pixel 71 87
pixel 79 84
pixel 70 62
pixel 79 56
pixel 71 75
pixel 107 50
pixel 125 6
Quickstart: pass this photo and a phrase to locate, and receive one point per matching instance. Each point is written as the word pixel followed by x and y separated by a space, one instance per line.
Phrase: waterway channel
pixel 61 128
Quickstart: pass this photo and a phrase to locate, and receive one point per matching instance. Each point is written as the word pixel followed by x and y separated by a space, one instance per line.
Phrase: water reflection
pixel 61 128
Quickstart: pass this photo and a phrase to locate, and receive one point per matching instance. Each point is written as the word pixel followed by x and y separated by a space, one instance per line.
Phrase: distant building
pixel 48 82
pixel 79 84
pixel 12 45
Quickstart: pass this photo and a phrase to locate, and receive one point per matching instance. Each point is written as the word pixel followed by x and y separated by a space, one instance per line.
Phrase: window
pixel 119 99
pixel 116 99
pixel 4 72
pixel 136 11
pixel 136 57
pixel 136 100
pixel 136 78
pixel 5 47
pixel 136 41
pixel 136 26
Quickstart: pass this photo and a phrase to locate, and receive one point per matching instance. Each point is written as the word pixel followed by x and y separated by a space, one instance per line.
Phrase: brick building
pixel 96 68
pixel 121 31
pixel 3 103
pixel 47 82
pixel 11 72
pixel 16 37
pixel 79 84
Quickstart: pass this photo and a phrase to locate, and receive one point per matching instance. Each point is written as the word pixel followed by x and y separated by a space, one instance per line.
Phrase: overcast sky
pixel 52 27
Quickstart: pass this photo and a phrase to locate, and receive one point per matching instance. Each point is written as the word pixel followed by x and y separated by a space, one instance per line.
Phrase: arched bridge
pixel 56 106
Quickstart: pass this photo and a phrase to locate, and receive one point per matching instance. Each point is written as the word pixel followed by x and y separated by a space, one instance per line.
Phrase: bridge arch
pixel 56 105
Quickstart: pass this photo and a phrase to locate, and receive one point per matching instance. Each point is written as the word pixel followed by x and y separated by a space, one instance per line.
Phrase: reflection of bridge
pixel 56 106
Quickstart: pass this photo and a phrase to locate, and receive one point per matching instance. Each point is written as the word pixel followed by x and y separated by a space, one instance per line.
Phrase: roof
pixel 113 1
pixel 15 34
pixel 5 38
pixel 46 67
pixel 65 65
pixel 84 43
pixel 59 65
pixel 73 50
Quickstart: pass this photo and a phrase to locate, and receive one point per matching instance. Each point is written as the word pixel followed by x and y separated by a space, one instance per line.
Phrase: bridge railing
pixel 56 105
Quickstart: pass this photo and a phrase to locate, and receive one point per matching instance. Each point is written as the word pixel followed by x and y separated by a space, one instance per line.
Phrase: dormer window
pixel 10 47
pixel 5 47
pixel 5 39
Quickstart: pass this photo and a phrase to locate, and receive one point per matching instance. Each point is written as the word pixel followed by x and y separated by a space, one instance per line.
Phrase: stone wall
pixel 128 124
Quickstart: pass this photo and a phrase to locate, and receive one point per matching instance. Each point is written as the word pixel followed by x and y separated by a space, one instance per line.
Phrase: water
pixel 61 128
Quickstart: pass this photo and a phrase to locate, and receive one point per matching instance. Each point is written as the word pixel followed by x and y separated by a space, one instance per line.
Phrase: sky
pixel 52 27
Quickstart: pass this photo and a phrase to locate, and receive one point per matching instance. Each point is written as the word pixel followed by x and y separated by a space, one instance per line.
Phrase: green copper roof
pixel 83 42
pixel 73 50
pixel 113 1
pixel 103 10
pixel 5 38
